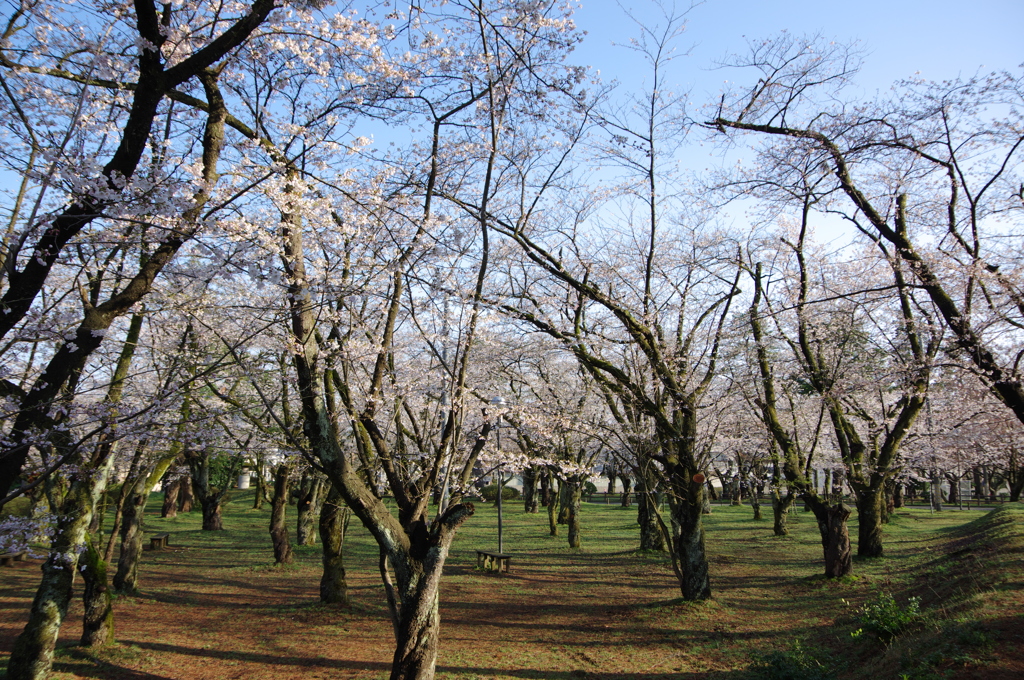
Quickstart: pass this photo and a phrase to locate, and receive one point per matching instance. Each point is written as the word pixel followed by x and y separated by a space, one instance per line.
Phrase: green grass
pixel 605 610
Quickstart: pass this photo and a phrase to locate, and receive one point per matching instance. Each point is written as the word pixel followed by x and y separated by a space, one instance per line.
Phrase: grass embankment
pixel 214 606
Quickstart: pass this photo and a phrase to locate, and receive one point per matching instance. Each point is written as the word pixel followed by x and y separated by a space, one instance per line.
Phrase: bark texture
pixel 278 520
pixel 333 525
pixel 98 621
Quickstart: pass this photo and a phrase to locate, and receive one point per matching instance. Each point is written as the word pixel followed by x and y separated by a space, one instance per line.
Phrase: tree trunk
pixel 575 492
pixel 688 542
pixel 835 538
pixel 308 510
pixel 333 525
pixel 552 509
pixel 897 495
pixel 564 494
pixel 530 490
pixel 780 511
pixel 261 486
pixel 186 497
pixel 870 511
pixel 417 621
pixel 935 491
pixel 626 484
pixel 210 499
pixel 278 523
pixel 612 475
pixel 755 502
pixel 32 656
pixel 98 622
pixel 212 520
pixel 126 580
pixel 651 536
pixel 171 490
pixel 545 488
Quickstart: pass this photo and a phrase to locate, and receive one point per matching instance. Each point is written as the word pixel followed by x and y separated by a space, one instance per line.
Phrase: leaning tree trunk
pixel 98 622
pixel 126 580
pixel 574 495
pixel 32 656
pixel 278 523
pixel 334 518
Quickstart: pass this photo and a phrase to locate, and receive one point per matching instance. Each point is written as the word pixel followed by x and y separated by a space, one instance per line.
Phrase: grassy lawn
pixel 214 606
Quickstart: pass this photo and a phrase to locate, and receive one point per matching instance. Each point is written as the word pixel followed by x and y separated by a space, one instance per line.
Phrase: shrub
pixel 886 618
pixel 508 493
pixel 794 664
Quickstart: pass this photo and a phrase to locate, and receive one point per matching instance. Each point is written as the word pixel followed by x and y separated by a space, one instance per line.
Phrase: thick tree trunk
pixel 870 513
pixel 186 496
pixel 32 656
pixel 278 521
pixel 897 495
pixel 780 511
pixel 626 484
pixel 126 580
pixel 212 520
pixel 575 494
pixel 545 488
pixel 98 622
pixel 333 525
pixel 210 499
pixel 835 537
pixel 417 622
pixel 564 494
pixel 308 510
pixel 530 490
pixel 688 538
pixel 172 487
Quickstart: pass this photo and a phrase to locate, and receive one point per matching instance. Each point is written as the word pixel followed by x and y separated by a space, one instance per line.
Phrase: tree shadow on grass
pixel 82 663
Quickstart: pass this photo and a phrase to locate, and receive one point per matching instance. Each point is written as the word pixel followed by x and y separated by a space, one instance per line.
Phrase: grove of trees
pixel 338 246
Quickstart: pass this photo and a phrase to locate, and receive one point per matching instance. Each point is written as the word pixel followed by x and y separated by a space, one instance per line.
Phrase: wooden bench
pixel 8 559
pixel 492 561
pixel 159 541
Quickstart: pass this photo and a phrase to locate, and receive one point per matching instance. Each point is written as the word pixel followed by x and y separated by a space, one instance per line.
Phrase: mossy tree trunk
pixel 575 494
pixel 278 519
pixel 98 621
pixel 32 656
pixel 334 517
pixel 311 499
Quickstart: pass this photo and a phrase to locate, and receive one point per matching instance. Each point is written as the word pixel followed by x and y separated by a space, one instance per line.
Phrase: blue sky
pixel 939 39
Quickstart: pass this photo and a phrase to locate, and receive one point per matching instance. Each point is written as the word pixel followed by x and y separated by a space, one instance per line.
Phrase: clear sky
pixel 940 39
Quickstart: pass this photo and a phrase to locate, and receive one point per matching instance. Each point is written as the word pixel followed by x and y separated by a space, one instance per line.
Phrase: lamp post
pixel 499 402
